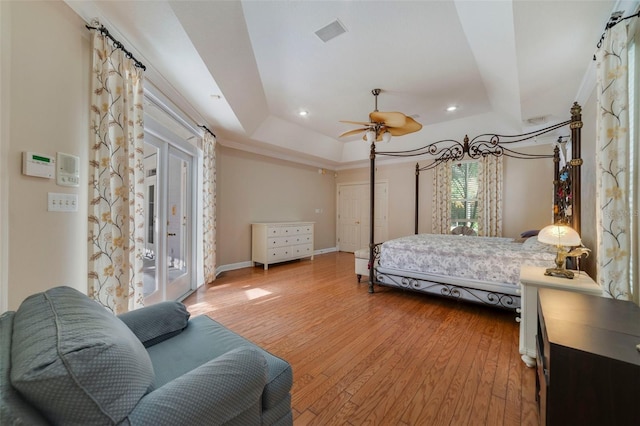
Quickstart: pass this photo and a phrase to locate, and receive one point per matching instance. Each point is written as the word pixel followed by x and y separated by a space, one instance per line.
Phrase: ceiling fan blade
pixel 410 126
pixel 390 119
pixel 362 123
pixel 354 132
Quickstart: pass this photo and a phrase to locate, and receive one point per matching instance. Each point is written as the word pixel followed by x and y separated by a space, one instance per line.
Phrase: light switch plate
pixel 62 202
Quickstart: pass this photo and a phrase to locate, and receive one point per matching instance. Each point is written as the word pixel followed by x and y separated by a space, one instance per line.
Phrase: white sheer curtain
pixel 209 210
pixel 441 211
pixel 612 165
pixel 116 177
pixel 490 179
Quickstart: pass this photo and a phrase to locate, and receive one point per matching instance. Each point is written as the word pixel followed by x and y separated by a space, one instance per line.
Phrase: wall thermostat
pixel 68 170
pixel 39 165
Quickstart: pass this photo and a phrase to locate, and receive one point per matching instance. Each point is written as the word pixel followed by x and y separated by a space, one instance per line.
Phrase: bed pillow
pixel 532 244
pixel 75 361
pixel 531 233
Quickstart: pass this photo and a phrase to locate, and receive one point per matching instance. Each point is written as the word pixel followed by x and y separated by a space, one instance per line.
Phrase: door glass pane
pixel 150 280
pixel 176 259
pixel 178 225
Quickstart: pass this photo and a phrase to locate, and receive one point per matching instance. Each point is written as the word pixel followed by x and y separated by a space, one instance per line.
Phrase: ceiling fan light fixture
pixel 370 136
pixel 383 125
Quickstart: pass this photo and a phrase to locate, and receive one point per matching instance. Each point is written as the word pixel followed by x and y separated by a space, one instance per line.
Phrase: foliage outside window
pixel 464 195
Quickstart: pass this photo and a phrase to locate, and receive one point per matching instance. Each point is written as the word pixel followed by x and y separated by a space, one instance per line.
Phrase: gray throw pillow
pixel 155 323
pixel 75 361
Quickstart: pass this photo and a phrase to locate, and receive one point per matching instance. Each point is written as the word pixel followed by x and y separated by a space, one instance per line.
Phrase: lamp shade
pixel 386 136
pixel 559 235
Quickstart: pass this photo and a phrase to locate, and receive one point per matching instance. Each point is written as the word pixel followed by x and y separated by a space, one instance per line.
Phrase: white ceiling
pixel 246 68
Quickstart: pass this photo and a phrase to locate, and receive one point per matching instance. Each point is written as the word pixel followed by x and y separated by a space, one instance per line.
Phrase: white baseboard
pixel 233 266
pixel 248 264
pixel 323 251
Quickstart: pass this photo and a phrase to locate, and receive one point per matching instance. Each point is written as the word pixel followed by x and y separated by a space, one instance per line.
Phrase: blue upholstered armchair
pixel 64 359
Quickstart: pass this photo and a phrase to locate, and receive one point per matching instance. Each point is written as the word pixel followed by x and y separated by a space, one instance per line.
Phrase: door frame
pixel 162 138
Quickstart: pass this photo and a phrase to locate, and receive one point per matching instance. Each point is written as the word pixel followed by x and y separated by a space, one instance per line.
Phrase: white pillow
pixel 532 244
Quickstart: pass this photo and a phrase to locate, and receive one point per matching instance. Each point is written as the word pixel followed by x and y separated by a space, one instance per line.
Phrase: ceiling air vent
pixel 536 121
pixel 330 31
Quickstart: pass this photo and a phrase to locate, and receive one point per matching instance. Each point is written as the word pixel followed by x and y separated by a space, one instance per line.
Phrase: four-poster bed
pixel 425 263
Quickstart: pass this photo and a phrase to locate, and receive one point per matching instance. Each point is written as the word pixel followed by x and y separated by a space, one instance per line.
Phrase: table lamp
pixel 561 236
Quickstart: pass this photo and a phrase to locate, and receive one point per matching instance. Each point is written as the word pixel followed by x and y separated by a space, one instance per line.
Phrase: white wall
pixel 46 67
pixel 255 188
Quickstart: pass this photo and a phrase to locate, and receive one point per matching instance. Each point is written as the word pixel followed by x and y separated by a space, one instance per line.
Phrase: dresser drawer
pixel 283 231
pixel 301 239
pixel 289 240
pixel 281 241
pixel 279 253
pixel 299 230
pixel 302 250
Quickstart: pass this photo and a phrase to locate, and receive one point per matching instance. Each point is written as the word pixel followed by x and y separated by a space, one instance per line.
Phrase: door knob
pixel 357 222
pixel 171 234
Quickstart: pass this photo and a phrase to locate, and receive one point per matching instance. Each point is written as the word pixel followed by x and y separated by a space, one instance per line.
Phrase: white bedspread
pixel 489 259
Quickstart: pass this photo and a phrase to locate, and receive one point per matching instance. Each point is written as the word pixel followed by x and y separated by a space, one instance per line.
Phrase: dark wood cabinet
pixel 587 361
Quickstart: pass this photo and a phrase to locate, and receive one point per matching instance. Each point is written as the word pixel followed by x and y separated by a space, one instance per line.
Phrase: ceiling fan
pixel 383 125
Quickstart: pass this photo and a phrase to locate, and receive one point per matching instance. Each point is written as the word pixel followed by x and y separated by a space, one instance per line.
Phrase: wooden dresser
pixel 281 241
pixel 588 369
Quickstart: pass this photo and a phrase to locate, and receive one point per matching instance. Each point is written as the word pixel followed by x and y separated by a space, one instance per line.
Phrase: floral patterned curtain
pixel 116 177
pixel 441 211
pixel 612 157
pixel 490 196
pixel 209 213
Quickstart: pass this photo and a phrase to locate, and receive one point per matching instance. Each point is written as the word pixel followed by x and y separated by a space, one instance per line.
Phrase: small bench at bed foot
pixel 362 262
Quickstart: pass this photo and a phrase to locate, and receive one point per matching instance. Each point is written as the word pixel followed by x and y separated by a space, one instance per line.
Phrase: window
pixel 464 195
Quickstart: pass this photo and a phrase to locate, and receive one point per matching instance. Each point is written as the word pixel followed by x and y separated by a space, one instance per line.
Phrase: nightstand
pixel 531 279
pixel 588 366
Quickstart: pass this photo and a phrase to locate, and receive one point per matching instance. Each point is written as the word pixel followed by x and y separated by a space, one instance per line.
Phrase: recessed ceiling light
pixel 303 113
pixel 452 108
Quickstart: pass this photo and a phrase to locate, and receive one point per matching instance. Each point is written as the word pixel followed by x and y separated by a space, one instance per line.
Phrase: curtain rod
pixel 207 130
pixel 614 20
pixel 117 45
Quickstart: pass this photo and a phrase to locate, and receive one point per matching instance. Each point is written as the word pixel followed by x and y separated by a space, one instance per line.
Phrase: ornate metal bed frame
pixel 566 207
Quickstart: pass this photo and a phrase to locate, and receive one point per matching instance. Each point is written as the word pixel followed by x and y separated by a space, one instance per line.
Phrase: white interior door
pixel 353 215
pixel 349 216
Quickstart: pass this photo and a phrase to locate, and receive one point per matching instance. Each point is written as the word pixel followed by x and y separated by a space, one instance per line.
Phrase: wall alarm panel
pixel 38 165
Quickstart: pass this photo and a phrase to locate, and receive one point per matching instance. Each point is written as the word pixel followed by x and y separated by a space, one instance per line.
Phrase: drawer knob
pixel 518 319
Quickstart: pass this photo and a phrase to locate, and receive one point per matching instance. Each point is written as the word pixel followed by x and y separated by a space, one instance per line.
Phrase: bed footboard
pixel 485 297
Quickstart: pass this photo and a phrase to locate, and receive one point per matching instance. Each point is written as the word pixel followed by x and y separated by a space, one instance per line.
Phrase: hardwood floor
pixel 389 358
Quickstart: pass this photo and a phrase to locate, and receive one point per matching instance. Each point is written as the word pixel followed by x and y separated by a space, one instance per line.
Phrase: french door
pixel 169 261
